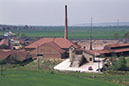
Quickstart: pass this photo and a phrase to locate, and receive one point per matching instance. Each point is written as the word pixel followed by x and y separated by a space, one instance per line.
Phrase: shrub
pixel 119 64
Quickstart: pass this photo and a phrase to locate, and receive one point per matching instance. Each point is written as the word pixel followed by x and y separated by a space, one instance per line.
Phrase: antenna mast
pixel 118 22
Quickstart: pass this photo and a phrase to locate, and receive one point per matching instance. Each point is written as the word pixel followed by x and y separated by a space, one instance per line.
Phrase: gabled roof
pixel 62 42
pixel 54 45
pixel 20 54
pixel 118 45
pixel 4 42
pixel 3 54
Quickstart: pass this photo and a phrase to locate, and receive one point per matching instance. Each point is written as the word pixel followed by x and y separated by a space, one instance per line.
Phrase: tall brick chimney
pixel 66 24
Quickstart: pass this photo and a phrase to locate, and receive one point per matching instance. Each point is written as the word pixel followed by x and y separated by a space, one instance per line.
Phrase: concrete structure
pixel 79 56
pixel 65 66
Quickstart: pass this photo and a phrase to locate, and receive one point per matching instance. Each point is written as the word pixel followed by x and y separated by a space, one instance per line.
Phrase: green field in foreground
pixel 127 59
pixel 31 78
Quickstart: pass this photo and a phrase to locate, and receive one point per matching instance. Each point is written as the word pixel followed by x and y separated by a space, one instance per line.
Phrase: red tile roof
pixel 4 42
pixel 3 54
pixel 118 45
pixel 20 55
pixel 96 52
pixel 54 45
pixel 105 51
pixel 121 50
pixel 63 43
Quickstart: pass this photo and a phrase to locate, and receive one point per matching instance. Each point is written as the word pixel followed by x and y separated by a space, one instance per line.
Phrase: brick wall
pixel 47 51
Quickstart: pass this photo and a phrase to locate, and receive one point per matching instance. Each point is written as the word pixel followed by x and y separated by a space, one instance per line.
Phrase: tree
pixel 120 64
pixel 23 34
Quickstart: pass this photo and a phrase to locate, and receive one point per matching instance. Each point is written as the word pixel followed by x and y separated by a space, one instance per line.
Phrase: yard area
pixel 65 66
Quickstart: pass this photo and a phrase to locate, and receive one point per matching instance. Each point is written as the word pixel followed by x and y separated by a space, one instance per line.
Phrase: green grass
pixel 31 78
pixel 127 59
pixel 30 75
pixel 76 32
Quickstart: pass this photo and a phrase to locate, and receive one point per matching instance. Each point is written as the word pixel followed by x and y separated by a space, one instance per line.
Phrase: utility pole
pixel 91 34
pixel 38 56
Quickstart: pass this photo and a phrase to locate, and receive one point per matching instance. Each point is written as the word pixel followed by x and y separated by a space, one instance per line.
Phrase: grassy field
pixel 31 75
pixel 76 32
pixel 31 78
pixel 127 59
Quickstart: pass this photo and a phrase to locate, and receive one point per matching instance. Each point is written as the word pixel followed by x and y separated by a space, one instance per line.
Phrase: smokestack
pixel 66 23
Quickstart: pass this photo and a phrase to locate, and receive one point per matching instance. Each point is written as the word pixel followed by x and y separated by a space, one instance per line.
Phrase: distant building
pixel 78 55
pixel 51 47
pixel 13 56
pixel 5 44
pixel 24 41
pixel 8 33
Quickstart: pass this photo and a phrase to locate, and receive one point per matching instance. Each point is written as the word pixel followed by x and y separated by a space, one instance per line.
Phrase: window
pixel 90 59
pixel 40 56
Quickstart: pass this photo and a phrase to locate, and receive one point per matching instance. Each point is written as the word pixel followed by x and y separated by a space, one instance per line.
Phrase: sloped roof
pixel 99 52
pixel 54 45
pixel 118 45
pixel 4 42
pixel 62 42
pixel 95 52
pixel 121 50
pixel 3 54
pixel 20 54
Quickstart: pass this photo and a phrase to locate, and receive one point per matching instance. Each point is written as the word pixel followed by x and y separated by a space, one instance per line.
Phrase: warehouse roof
pixel 62 42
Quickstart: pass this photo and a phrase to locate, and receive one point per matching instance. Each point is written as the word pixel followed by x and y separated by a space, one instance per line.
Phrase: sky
pixel 51 12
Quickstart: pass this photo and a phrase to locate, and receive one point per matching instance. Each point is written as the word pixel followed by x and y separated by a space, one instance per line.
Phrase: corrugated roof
pixel 63 43
pixel 96 52
pixel 99 52
pixel 118 45
pixel 106 51
pixel 120 50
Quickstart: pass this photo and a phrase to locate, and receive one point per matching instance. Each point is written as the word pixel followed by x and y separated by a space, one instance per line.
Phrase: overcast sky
pixel 51 12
